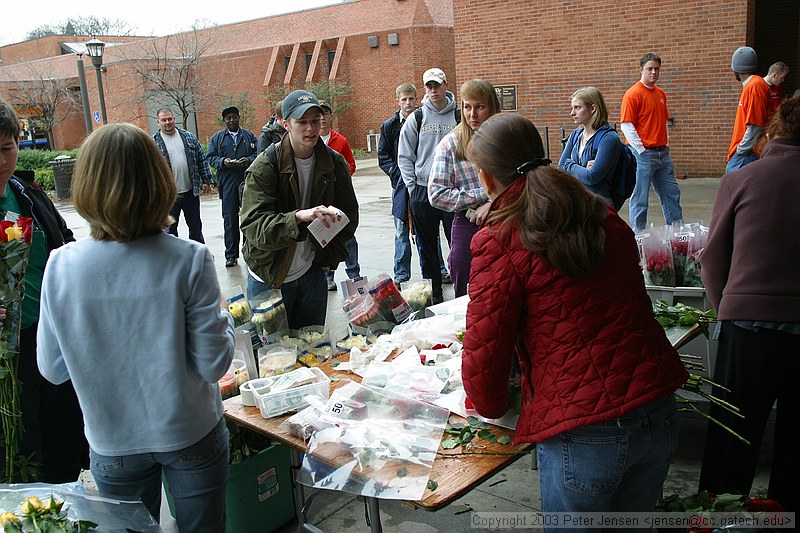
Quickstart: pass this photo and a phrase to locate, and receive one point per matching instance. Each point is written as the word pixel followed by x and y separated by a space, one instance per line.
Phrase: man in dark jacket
pixel 231 151
pixel 287 187
pixel 273 131
pixel 50 417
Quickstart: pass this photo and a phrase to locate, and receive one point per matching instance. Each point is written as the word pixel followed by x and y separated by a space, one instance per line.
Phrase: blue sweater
pixel 605 154
pixel 138 329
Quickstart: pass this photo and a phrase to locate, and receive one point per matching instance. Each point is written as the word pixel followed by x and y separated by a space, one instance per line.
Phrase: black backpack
pixel 623 179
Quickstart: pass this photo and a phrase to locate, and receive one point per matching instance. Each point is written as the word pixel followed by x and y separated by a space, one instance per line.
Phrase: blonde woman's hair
pixel 474 89
pixel 593 97
pixel 122 184
pixel 555 215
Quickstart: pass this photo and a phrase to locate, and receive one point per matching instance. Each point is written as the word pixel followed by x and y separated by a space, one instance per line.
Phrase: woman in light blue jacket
pixel 592 151
pixel 132 316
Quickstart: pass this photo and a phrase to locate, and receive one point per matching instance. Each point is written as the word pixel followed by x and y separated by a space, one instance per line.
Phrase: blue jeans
pixel 738 161
pixel 614 466
pixel 655 167
pixel 190 205
pixel 305 299
pixel 402 252
pixel 197 477
pixel 351 266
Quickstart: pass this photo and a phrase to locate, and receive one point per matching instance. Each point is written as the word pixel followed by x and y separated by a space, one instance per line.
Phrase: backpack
pixel 623 178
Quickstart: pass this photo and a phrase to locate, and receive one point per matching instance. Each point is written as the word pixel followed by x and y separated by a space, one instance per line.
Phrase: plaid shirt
pixel 198 168
pixel 453 184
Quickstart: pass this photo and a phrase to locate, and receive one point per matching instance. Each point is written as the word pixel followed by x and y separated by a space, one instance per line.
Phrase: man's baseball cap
pixel 434 74
pixel 297 103
pixel 230 109
pixel 325 104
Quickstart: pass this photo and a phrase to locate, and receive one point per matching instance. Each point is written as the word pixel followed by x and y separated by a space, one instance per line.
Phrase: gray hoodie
pixel 415 148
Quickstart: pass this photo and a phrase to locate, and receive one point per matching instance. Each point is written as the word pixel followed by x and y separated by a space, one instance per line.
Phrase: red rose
pixel 26 223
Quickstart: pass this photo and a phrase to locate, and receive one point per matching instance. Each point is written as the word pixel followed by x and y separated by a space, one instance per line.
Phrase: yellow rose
pixel 14 232
pixel 10 519
pixel 53 505
pixel 31 505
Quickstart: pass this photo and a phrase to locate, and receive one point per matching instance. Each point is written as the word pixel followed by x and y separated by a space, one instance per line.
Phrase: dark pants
pixel 52 419
pixel 758 368
pixel 426 226
pixel 190 205
pixel 351 266
pixel 460 256
pixel 229 194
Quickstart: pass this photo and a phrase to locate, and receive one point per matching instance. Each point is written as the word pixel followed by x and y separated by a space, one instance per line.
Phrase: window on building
pixel 286 60
pixel 308 62
pixel 331 57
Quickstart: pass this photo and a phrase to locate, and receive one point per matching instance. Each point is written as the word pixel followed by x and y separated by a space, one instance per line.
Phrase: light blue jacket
pixel 138 329
pixel 605 154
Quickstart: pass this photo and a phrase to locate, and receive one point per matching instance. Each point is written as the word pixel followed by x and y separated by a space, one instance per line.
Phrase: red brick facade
pixel 547 49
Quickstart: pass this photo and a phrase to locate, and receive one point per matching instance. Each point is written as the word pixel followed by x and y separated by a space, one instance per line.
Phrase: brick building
pixel 543 50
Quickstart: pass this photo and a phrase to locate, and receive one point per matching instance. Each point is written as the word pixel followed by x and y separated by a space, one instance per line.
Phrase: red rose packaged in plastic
pixel 391 303
pixel 658 267
pixel 679 243
pixel 697 243
pixel 362 311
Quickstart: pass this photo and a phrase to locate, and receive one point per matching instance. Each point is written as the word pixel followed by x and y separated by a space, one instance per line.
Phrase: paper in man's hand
pixel 323 234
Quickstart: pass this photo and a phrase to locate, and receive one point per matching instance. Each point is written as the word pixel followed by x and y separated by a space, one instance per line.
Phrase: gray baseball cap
pixel 297 103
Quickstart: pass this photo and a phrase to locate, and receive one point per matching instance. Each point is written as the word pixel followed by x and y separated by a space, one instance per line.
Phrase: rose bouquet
pixel 657 259
pixel 679 243
pixel 15 243
pixel 697 243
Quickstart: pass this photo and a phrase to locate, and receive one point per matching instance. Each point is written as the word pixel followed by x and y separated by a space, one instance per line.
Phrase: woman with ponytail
pixel 556 284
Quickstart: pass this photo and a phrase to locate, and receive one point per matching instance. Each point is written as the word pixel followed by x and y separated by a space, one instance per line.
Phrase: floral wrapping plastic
pixel 391 303
pixel 269 316
pixel 697 243
pixel 418 295
pixel 381 445
pixel 679 236
pixel 238 307
pixel 657 263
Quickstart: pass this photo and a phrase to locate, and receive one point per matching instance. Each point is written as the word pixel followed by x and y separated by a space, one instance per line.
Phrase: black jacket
pixel 387 160
pixel 36 204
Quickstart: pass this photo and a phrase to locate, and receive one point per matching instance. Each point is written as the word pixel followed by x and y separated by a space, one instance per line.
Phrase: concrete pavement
pixel 516 488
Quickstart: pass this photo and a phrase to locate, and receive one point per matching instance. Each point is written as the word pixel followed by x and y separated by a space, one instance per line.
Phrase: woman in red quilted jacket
pixel 555 282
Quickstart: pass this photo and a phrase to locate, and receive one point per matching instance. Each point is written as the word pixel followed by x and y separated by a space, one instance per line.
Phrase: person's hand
pixel 2 315
pixel 227 162
pixel 590 164
pixel 480 214
pixel 326 214
pixel 205 187
pixel 243 162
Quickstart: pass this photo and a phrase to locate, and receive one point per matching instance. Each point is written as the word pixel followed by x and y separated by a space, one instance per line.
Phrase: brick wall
pixel 550 49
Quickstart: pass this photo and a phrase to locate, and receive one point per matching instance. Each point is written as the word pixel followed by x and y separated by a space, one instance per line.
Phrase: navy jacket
pixel 387 160
pixel 221 147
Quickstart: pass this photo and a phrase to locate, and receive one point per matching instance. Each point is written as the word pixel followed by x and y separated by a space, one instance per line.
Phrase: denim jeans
pixel 197 477
pixel 190 205
pixel 654 167
pixel 402 252
pixel 305 299
pixel 351 266
pixel 614 466
pixel 738 161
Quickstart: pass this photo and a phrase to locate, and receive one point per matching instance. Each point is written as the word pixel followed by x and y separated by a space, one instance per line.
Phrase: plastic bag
pixel 419 382
pixel 269 316
pixel 391 303
pixel 362 311
pixel 380 444
pixel 697 243
pixel 659 268
pixel 418 295
pixel 238 307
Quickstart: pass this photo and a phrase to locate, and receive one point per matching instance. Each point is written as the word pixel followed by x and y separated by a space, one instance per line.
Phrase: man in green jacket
pixel 288 186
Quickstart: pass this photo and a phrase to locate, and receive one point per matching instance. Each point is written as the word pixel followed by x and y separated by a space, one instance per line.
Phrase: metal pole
pixel 87 114
pixel 102 97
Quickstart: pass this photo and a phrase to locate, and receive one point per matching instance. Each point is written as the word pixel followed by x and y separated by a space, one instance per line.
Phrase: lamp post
pixel 87 115
pixel 95 50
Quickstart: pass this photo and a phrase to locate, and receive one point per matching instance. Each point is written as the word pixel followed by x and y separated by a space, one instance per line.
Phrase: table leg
pixel 373 514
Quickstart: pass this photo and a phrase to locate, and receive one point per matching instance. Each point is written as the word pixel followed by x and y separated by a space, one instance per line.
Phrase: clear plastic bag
pixel 697 243
pixel 238 307
pixel 679 243
pixel 418 294
pixel 269 316
pixel 391 303
pixel 419 382
pixel 380 444
pixel 658 266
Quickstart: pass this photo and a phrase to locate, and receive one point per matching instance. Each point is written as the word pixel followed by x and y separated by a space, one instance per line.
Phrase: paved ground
pixel 516 488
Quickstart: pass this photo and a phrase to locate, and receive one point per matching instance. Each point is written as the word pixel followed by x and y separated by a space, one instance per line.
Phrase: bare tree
pixel 82 26
pixel 168 70
pixel 47 100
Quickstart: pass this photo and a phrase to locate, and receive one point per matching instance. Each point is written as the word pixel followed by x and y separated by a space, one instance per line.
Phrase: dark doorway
pixel 777 38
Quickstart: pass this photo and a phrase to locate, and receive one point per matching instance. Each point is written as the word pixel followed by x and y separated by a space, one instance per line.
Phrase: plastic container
pixel 276 359
pixel 227 385
pixel 248 390
pixel 274 404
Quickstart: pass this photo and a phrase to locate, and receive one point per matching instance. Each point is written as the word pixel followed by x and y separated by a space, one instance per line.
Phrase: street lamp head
pixel 95 50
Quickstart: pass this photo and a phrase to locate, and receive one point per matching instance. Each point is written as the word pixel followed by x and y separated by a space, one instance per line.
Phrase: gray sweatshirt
pixel 415 149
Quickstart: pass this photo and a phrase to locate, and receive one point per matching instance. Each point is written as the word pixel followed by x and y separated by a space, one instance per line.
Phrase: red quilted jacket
pixel 589 350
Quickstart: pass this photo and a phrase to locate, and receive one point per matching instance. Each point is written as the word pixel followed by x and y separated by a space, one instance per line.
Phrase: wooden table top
pixel 455 471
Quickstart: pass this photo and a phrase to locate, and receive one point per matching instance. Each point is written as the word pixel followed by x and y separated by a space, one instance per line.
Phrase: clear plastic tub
pixel 273 404
pixel 276 359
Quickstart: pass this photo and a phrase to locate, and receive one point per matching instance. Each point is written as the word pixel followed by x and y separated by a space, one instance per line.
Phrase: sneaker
pixel 231 262
pixel 331 285
pixel 398 281
pixel 446 278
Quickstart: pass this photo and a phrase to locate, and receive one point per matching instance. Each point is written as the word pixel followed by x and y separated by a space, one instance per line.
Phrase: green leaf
pixel 334 364
pixel 466 435
pixel 432 485
pixel 402 472
pixel 505 439
pixel 485 434
pixel 450 443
